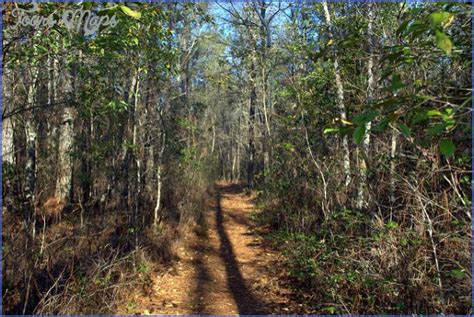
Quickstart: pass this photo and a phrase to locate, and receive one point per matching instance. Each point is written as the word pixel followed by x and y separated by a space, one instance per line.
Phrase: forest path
pixel 223 267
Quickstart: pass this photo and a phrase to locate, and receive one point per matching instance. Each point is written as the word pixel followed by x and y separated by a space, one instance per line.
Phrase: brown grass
pixel 51 209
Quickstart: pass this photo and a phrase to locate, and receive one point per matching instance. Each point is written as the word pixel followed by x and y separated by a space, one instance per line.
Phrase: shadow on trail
pixel 204 277
pixel 202 274
pixel 246 302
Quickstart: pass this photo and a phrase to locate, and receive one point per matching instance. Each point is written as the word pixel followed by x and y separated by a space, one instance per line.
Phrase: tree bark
pixel 156 218
pixel 66 138
pixel 363 193
pixel 393 165
pixel 7 141
pixel 31 138
pixel 135 142
pixel 340 102
pixel 251 131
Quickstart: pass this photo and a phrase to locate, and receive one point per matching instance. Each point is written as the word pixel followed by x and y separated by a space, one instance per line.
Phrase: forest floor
pixel 223 267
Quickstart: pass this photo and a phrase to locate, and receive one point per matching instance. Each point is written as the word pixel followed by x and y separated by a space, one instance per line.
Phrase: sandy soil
pixel 223 267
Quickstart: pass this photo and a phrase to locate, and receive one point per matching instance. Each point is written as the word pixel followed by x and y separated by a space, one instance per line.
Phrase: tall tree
pixel 339 99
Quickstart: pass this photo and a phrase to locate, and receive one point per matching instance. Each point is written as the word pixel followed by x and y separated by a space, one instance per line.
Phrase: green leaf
pixel 405 130
pixel 41 49
pixel 330 130
pixel 117 106
pixel 391 225
pixel 87 5
pixel 444 42
pixel 382 126
pixel 447 147
pixel 436 129
pixel 358 134
pixel 416 29
pixel 130 12
pixel 365 117
pixel 457 274
pixel 386 74
pixel 442 18
pixel 419 118
pixel 288 146
pixel 330 309
pixel 402 27
pixel 434 113
pixel 396 83
pixel 393 56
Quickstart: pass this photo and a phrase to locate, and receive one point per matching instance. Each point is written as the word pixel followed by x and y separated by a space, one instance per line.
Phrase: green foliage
pixel 358 134
pixel 299 249
pixel 130 12
pixel 405 129
pixel 396 83
pixel 391 225
pixel 447 147
pixel 444 42
pixel 330 310
pixel 330 130
pixel 442 19
pixel 116 106
pixel 457 274
pixel 191 116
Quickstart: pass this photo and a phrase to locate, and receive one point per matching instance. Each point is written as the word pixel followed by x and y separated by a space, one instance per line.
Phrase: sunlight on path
pixel 222 267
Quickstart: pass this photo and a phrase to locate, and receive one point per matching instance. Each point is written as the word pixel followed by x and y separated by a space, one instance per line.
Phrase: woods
pixel 347 124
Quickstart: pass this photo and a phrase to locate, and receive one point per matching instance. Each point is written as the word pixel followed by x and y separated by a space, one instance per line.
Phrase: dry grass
pixel 407 256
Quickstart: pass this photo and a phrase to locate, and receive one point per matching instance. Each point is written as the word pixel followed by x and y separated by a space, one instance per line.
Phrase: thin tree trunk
pixel 7 141
pixel 213 139
pixel 251 136
pixel 150 169
pixel 340 102
pixel 127 193
pixel 31 134
pixel 238 162
pixel 30 169
pixel 363 193
pixel 234 158
pixel 31 138
pixel 8 123
pixel 393 165
pixel 159 182
pixel 86 164
pixel 239 140
pixel 136 152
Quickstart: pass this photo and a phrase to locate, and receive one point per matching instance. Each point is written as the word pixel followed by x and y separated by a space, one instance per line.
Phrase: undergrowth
pixel 356 263
pixel 63 267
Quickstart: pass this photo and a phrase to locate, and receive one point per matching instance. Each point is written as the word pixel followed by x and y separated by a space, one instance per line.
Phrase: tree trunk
pixel 213 143
pixel 7 126
pixel 31 138
pixel 158 195
pixel 251 136
pixel 156 218
pixel 7 141
pixel 340 103
pixel 66 133
pixel 30 168
pixel 393 165
pixel 64 167
pixel 136 147
pixel 127 194
pixel 363 193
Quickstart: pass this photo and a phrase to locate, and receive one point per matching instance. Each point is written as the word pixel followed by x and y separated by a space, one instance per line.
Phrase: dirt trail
pixel 223 267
